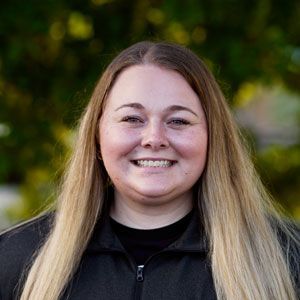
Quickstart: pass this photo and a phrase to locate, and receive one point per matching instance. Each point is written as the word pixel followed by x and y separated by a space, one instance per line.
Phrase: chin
pixel 151 196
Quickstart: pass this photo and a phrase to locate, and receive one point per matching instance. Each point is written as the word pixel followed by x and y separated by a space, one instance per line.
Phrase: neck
pixel 145 216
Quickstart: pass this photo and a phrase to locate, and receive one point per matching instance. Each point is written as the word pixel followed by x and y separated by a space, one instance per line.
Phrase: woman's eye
pixel 179 122
pixel 131 119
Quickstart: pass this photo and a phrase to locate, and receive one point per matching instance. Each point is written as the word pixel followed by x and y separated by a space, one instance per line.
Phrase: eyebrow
pixel 132 105
pixel 170 108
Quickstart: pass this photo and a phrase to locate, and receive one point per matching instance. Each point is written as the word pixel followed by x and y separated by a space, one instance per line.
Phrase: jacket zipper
pixel 139 283
pixel 140 273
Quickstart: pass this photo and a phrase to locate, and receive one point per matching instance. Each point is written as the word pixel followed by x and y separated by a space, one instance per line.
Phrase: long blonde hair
pixel 247 259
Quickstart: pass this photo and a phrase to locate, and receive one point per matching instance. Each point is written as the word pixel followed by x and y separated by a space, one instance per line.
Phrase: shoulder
pixel 17 246
pixel 288 233
pixel 289 237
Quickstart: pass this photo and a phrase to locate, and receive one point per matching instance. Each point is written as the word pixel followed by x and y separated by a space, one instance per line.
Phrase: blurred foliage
pixel 53 51
pixel 280 168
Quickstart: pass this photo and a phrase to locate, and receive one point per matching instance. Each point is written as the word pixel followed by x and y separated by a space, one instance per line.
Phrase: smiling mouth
pixel 154 163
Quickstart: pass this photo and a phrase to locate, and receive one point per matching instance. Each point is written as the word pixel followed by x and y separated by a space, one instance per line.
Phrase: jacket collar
pixel 104 239
pixel 193 238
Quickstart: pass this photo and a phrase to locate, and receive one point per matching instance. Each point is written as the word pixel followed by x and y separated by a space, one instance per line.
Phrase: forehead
pixel 152 85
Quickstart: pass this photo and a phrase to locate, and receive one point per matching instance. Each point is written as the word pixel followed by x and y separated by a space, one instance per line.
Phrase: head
pixel 174 59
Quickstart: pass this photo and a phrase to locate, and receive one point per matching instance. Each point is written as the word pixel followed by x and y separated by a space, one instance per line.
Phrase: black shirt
pixel 143 243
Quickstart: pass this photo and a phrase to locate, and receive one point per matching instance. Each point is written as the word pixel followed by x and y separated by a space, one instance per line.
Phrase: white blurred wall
pixel 9 196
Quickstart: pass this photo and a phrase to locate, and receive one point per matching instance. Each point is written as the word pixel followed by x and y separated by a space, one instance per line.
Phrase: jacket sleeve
pixel 291 250
pixel 294 261
pixel 17 247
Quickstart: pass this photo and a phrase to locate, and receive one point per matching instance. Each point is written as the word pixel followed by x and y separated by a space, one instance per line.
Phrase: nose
pixel 154 137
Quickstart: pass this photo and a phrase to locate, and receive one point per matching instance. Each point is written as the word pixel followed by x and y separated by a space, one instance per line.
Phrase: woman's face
pixel 153 136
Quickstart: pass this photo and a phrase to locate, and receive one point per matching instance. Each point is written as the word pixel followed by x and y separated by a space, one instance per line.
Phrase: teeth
pixel 154 163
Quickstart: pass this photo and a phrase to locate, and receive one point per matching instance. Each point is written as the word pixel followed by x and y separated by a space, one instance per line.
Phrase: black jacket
pixel 181 271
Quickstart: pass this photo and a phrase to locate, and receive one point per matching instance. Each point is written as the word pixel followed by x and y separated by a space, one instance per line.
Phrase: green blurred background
pixel 53 51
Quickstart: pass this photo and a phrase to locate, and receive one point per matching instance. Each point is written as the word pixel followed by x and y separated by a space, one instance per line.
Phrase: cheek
pixel 192 145
pixel 116 142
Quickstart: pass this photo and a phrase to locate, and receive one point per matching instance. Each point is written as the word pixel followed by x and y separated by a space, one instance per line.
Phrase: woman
pixel 160 200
